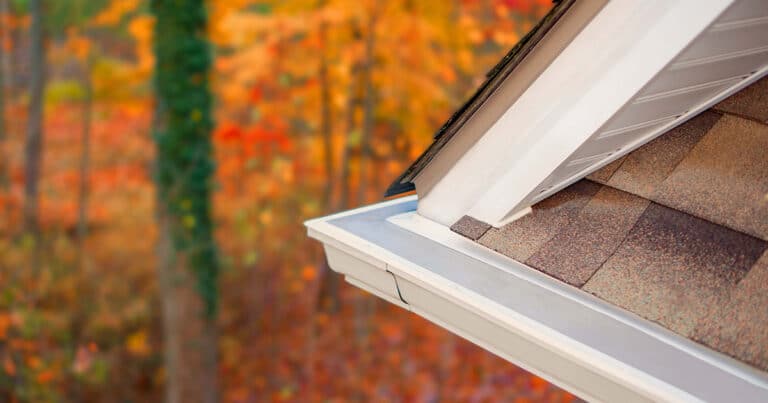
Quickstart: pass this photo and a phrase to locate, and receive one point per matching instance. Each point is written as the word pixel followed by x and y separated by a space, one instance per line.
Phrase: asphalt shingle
pixel 470 227
pixel 751 102
pixel 577 251
pixel 739 327
pixel 604 174
pixel 674 232
pixel 645 168
pixel 523 237
pixel 672 267
pixel 724 179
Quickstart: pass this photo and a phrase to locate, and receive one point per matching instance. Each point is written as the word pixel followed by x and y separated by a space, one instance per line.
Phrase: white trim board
pixel 579 342
pixel 592 104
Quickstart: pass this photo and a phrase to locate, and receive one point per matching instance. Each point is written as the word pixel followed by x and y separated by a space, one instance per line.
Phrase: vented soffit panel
pixel 632 73
pixel 730 53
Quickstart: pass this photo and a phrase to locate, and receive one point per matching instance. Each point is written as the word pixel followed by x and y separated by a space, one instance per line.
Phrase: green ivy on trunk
pixel 182 131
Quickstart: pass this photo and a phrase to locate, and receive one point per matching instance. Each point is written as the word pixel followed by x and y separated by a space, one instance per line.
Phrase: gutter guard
pixel 572 339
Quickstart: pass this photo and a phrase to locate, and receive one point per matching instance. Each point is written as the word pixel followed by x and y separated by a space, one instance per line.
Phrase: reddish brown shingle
pixel 751 102
pixel 672 267
pixel 644 169
pixel 725 177
pixel 521 238
pixel 681 246
pixel 739 327
pixel 604 174
pixel 470 227
pixel 575 253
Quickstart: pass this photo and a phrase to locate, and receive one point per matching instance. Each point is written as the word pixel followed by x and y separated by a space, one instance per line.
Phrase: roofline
pixel 565 335
pixel 494 79
pixel 541 135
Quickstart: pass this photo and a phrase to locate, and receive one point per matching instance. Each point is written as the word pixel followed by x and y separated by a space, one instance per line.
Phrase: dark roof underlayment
pixel 675 232
pixel 494 79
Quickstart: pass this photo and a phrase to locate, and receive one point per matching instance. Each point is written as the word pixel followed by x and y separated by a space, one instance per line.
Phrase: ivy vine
pixel 183 125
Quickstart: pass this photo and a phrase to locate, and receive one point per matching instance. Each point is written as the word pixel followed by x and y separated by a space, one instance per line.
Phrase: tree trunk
pixel 4 176
pixel 34 143
pixel 326 128
pixel 5 64
pixel 368 105
pixel 188 267
pixel 85 164
pixel 364 304
pixel 328 295
pixel 190 336
pixel 352 104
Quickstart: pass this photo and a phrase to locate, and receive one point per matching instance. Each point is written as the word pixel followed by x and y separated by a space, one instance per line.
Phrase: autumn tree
pixel 188 265
pixel 3 72
pixel 80 45
pixel 34 143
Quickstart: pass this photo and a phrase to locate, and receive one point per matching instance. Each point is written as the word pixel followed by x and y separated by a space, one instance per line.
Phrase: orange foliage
pixel 115 12
pixel 91 333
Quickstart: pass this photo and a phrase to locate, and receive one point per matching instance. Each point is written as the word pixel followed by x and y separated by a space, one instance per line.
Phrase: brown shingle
pixel 521 238
pixel 751 102
pixel 724 179
pixel 470 227
pixel 604 174
pixel 672 267
pixel 739 328
pixel 679 248
pixel 582 246
pixel 645 168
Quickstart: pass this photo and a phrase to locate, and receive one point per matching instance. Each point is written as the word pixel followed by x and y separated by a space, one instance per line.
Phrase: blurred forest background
pixel 314 107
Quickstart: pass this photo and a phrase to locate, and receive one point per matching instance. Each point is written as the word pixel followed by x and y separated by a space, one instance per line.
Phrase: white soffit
pixel 636 70
pixel 731 53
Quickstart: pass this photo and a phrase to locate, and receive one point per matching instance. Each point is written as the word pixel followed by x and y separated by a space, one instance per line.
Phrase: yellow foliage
pixel 115 12
pixel 64 91
pixel 137 344
pixel 265 217
pixel 34 362
pixel 78 45
pixel 141 28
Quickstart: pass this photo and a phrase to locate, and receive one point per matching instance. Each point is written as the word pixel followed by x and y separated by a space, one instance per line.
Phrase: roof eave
pixel 565 335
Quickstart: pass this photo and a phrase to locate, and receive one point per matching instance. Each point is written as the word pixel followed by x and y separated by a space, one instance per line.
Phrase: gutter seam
pixel 397 286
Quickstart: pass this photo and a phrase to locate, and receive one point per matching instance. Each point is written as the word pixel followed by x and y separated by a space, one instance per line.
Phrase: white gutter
pixel 558 332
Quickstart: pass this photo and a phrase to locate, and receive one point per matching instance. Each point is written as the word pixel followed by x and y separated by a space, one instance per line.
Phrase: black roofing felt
pixel 494 79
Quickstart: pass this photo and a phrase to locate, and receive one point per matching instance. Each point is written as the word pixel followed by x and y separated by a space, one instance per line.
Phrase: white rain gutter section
pixel 622 49
pixel 558 332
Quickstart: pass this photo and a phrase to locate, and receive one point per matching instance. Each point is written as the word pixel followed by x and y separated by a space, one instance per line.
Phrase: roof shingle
pixel 725 177
pixel 575 253
pixel 751 102
pixel 673 234
pixel 644 169
pixel 672 267
pixel 739 327
pixel 470 227
pixel 520 239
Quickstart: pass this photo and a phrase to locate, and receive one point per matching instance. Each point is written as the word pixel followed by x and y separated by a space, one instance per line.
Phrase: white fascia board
pixel 624 46
pixel 558 332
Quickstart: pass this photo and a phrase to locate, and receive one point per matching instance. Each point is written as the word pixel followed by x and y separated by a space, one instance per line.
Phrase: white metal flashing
pixel 569 337
pixel 638 69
